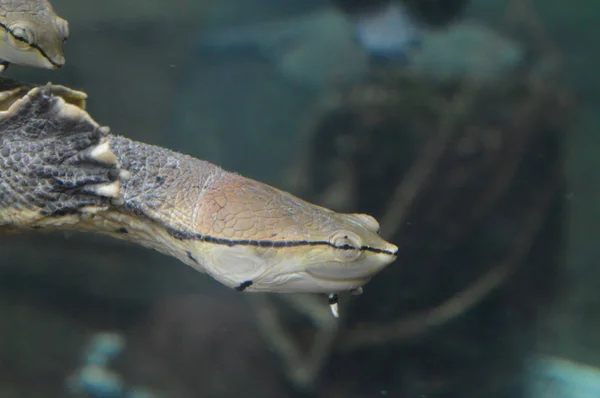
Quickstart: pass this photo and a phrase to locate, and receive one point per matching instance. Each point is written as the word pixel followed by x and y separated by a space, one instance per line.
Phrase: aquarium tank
pixel 299 199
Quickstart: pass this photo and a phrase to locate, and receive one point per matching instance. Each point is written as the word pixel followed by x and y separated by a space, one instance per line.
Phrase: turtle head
pixel 33 35
pixel 258 238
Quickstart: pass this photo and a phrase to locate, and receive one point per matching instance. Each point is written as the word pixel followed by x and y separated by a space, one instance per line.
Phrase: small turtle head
pixel 346 253
pixel 259 238
pixel 33 36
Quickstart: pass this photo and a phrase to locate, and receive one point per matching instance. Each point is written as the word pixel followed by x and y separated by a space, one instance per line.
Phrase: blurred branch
pixel 302 369
pixel 523 12
pixel 417 177
pixel 464 300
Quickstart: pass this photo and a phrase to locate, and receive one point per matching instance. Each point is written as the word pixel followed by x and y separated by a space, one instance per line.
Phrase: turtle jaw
pixel 31 57
pixel 286 269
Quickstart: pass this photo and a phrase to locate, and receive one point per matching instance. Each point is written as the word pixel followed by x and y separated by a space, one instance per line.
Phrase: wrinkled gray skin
pixel 60 170
pixel 42 170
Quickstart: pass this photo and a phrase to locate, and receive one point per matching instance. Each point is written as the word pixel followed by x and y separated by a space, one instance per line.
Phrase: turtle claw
pixel 57 159
pixel 101 154
pixel 110 190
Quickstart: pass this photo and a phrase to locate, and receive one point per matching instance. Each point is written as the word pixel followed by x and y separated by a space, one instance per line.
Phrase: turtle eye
pixel 346 245
pixel 22 36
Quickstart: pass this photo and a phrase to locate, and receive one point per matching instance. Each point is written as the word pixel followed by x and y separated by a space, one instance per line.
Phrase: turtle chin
pixel 362 269
pixel 33 59
pixel 329 286
pixel 305 282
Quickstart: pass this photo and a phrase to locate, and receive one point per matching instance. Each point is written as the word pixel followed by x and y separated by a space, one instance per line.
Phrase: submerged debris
pixel 320 48
pixel 95 379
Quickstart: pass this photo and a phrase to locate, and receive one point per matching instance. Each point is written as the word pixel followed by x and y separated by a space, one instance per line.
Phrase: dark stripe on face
pixel 32 45
pixel 243 286
pixel 191 257
pixel 271 243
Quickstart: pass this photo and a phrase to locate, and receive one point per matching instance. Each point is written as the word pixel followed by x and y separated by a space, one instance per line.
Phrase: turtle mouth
pixel 306 282
pixel 35 58
pixel 54 63
pixel 58 61
pixel 56 66
pixel 339 284
pixel 341 278
pixel 327 285
pixel 351 272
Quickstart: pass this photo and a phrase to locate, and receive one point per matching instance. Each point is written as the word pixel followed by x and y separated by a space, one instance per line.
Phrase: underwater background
pixel 469 130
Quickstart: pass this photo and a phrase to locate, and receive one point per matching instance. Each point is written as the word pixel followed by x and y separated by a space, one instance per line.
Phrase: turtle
pixel 62 170
pixel 31 34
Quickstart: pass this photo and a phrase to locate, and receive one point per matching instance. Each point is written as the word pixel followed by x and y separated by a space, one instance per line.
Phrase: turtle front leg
pixel 56 164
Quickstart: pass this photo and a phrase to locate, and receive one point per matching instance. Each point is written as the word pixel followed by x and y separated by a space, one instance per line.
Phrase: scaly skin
pixel 60 170
pixel 31 34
